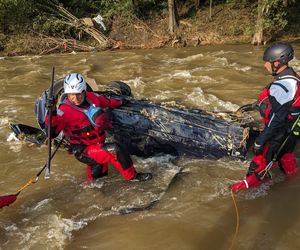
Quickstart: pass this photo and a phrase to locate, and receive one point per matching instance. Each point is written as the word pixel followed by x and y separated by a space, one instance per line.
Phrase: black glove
pixel 51 105
pixel 124 99
pixel 248 107
pixel 257 149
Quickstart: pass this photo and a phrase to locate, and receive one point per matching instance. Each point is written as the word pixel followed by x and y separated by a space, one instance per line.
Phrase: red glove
pixel 239 185
pixel 114 103
pixel 249 181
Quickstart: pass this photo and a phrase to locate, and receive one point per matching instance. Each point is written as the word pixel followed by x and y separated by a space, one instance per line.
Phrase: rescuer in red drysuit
pixel 82 118
pixel 279 106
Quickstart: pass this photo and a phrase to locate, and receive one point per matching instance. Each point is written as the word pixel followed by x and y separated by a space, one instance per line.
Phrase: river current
pixel 194 212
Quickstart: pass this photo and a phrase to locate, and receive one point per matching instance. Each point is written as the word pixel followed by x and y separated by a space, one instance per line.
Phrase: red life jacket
pixel 295 108
pixel 265 106
pixel 79 127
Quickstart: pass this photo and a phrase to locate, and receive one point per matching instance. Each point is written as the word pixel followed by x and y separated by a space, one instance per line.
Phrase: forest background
pixel 52 26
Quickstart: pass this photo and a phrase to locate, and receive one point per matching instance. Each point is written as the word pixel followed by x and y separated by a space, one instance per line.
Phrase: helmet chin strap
pixel 276 68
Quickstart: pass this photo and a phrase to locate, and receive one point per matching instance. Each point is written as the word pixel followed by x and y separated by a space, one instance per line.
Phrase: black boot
pixel 143 177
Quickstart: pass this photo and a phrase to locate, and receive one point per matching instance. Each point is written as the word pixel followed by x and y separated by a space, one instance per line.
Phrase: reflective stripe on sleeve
pixel 246 183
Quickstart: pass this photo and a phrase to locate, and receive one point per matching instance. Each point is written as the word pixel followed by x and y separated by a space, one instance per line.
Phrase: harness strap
pixel 290 77
pixel 83 130
pixel 93 109
pixel 281 85
pixel 90 137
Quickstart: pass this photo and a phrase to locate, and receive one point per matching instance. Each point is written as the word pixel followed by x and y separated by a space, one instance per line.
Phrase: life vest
pixel 265 106
pixel 85 126
pixel 96 115
pixel 295 107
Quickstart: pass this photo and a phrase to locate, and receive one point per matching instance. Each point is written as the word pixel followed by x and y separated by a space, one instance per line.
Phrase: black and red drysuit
pixel 279 106
pixel 84 127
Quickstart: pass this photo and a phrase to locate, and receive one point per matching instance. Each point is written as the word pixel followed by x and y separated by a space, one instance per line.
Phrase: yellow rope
pixel 31 181
pixel 245 137
pixel 233 242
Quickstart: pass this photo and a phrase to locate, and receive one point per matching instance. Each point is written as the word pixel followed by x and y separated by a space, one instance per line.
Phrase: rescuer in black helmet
pixel 279 106
pixel 278 54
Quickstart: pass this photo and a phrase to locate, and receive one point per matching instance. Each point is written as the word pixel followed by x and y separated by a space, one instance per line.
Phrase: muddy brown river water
pixel 195 211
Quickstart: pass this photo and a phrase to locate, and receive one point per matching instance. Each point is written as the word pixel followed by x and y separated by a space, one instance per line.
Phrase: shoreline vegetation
pixel 40 27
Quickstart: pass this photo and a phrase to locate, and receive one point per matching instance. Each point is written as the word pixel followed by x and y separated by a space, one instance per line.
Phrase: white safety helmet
pixel 74 83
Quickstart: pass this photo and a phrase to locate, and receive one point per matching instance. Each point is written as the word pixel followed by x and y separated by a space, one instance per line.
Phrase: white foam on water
pixel 210 178
pixel 185 60
pixel 69 177
pixel 222 60
pixel 51 230
pixel 9 227
pixel 96 184
pixel 222 52
pixel 4 121
pixel 219 189
pixel 182 74
pixel 28 75
pixel 200 99
pixel 164 95
pixel 206 79
pixel 137 86
pixel 255 192
pixel 66 227
pixel 233 165
pixel 203 69
pixel 240 68
pixel 12 137
pixel 15 145
pixel 165 160
pixel 40 205
pixel 19 96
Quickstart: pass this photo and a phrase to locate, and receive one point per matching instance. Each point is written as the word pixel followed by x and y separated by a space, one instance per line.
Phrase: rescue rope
pixel 6 200
pixel 245 137
pixel 234 239
pixel 31 181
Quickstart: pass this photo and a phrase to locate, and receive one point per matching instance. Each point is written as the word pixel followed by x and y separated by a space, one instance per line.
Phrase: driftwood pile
pixel 62 45
pixel 83 25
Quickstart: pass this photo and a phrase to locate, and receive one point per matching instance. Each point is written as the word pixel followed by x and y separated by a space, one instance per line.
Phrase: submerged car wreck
pixel 147 128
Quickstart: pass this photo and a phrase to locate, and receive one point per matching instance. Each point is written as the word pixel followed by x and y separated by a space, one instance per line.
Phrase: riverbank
pixel 227 25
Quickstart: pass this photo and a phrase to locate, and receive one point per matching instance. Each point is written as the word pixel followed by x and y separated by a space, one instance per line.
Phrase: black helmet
pixel 282 52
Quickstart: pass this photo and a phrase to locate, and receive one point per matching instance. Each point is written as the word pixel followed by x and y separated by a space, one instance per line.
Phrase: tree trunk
pixel 258 38
pixel 172 16
pixel 197 4
pixel 210 10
